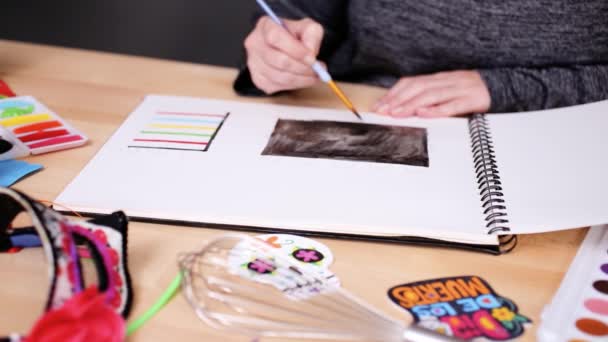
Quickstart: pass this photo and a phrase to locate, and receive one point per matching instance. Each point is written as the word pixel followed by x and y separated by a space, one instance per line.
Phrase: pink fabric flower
pixel 84 317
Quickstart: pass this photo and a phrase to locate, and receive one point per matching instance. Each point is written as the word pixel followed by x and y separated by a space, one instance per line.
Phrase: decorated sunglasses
pixel 105 240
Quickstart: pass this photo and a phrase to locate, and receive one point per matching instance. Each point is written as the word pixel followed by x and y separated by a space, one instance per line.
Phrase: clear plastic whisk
pixel 241 284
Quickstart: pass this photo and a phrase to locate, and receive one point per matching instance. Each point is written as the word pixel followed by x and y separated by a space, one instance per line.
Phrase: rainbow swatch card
pixel 579 310
pixel 178 130
pixel 32 128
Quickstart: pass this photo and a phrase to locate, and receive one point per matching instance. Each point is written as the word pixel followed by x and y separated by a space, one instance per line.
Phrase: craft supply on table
pixel 164 299
pixel 11 171
pixel 35 129
pixel 5 145
pixel 465 307
pixel 301 249
pixel 75 310
pixel 10 146
pixel 5 90
pixel 579 309
pixel 273 295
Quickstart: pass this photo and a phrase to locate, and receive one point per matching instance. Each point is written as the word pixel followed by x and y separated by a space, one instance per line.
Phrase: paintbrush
pixel 317 66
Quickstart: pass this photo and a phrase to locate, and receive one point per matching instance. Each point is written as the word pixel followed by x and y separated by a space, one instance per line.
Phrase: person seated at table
pixel 438 57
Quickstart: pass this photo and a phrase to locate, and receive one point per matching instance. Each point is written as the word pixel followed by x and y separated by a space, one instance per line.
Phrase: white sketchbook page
pixel 554 166
pixel 233 183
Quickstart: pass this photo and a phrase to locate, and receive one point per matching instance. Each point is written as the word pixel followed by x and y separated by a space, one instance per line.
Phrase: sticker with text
pixel 463 307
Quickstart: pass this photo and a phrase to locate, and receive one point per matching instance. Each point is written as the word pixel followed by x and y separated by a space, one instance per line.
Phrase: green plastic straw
pixel 160 303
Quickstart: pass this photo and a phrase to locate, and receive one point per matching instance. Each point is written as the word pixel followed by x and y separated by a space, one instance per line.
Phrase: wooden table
pixel 96 91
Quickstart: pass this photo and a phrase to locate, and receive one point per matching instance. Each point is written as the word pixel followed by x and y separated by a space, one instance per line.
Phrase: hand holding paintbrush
pixel 281 55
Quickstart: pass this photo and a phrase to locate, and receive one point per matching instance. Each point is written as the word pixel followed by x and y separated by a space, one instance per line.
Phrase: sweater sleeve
pixel 331 14
pixel 523 89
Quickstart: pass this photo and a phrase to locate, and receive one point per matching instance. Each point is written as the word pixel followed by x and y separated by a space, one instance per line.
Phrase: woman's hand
pixel 441 94
pixel 280 60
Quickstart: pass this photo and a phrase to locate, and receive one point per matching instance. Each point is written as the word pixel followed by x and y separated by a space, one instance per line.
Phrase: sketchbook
pixel 472 183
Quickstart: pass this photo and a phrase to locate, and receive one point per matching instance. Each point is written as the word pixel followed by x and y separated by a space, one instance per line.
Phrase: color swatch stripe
pixel 56 141
pixel 172 130
pixel 37 127
pixel 601 286
pixel 187 120
pixel 592 327
pixel 191 114
pixel 204 128
pixel 598 306
pixel 175 133
pixel 43 135
pixel 166 148
pixel 25 119
pixel 171 141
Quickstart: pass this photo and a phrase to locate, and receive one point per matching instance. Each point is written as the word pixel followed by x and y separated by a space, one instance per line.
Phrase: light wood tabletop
pixel 96 91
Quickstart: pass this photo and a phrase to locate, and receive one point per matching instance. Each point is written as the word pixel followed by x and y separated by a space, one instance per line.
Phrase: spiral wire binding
pixel 488 180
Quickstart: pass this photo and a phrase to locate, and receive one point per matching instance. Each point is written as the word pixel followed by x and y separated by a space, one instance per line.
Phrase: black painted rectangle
pixel 349 141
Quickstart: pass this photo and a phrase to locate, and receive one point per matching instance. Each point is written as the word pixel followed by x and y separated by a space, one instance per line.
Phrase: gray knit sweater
pixel 532 54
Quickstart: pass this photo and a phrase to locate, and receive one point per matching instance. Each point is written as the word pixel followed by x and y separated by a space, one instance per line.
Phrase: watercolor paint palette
pixel 579 310
pixel 32 128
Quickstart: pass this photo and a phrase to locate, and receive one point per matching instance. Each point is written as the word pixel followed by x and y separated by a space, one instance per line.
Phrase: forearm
pixel 523 89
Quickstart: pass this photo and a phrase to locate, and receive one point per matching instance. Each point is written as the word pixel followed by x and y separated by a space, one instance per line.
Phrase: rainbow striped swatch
pixel 183 131
pixel 35 128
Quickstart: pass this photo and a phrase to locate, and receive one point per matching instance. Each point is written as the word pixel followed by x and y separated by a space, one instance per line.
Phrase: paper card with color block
pixel 33 128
